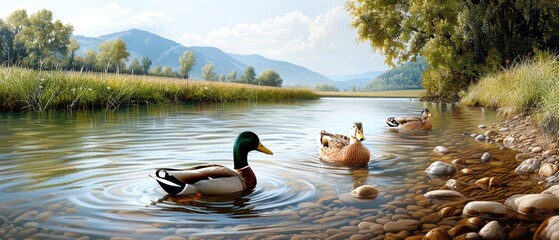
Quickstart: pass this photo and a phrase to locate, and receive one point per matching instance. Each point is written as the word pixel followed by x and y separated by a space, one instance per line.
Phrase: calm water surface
pixel 86 174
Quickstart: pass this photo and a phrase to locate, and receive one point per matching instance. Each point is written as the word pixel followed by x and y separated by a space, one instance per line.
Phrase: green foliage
pixel 135 67
pixel 327 88
pixel 146 64
pixel 232 76
pixel 527 88
pixel 406 76
pixel 187 62
pixel 41 91
pixel 208 72
pixel 249 76
pixel 269 78
pixel 461 40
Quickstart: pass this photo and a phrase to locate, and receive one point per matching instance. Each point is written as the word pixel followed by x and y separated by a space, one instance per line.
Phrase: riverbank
pixel 40 91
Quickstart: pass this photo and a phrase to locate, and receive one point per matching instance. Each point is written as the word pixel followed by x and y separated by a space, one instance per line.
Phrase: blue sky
pixel 311 33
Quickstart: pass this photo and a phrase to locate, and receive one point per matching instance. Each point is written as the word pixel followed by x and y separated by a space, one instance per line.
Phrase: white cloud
pixel 95 21
pixel 325 44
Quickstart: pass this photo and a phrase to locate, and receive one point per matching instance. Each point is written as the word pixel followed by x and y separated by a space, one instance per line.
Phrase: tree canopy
pixel 187 62
pixel 461 39
pixel 269 78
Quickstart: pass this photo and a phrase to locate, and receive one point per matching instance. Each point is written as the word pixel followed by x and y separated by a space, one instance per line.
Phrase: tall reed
pixel 530 88
pixel 38 91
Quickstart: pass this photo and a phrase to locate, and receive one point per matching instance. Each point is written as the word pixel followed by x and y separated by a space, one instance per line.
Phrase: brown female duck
pixel 346 150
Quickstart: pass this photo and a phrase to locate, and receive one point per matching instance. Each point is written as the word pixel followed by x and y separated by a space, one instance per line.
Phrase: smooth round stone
pixel 440 168
pixel 492 231
pixel 461 229
pixel 528 166
pixel 443 194
pixel 401 225
pixel 553 190
pixel 485 209
pixel 482 126
pixel 548 169
pixel 533 207
pixel 537 150
pixel 441 149
pixel 467 171
pixel 430 218
pixel 509 141
pixel 491 133
pixel 446 212
pixel 480 138
pixel 549 153
pixel 522 156
pixel 549 229
pixel 486 157
pixel 365 191
pixel 43 216
pixel 437 234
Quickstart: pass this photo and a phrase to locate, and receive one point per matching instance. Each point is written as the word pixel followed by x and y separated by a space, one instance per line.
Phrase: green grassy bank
pixel 39 91
pixel 530 88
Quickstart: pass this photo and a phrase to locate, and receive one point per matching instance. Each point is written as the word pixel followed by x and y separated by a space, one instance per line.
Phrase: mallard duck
pixel 396 121
pixel 212 178
pixel 411 123
pixel 347 150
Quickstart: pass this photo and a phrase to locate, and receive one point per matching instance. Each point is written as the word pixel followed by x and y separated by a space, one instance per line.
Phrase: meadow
pixel 39 91
pixel 529 88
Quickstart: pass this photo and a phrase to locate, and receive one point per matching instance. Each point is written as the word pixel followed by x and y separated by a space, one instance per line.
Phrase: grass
pixel 379 94
pixel 529 88
pixel 39 91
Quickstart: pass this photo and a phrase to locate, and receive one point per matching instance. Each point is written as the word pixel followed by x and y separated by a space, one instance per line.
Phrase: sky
pixel 315 34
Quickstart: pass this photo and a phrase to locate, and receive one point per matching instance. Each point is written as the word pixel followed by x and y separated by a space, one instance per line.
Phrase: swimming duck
pixel 347 150
pixel 212 178
pixel 411 123
pixel 396 121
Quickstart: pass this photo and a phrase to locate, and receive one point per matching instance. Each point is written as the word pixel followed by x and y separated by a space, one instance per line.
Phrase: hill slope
pixel 406 76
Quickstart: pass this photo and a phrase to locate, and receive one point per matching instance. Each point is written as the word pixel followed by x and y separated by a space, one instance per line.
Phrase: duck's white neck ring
pixel 243 168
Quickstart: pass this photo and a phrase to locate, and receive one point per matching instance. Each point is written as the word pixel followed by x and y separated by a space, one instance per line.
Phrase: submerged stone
pixel 528 166
pixel 443 194
pixel 440 168
pixel 533 207
pixel 492 231
pixel 441 149
pixel 485 209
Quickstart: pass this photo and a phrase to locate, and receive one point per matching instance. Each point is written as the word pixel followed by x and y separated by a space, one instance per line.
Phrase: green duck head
pixel 246 142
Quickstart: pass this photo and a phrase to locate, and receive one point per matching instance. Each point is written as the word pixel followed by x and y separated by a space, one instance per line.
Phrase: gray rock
pixel 440 168
pixel 492 231
pixel 486 157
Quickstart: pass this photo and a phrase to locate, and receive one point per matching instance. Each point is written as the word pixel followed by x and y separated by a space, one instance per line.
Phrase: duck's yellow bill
pixel 360 135
pixel 263 149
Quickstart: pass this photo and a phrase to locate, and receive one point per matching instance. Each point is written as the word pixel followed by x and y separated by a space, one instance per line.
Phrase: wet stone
pixel 519 233
pixel 365 191
pixel 440 168
pixel 554 190
pixel 486 157
pixel 492 231
pixel 548 169
pixel 443 194
pixel 441 149
pixel 549 229
pixel 485 209
pixel 437 234
pixel 528 166
pixel 401 225
pixel 533 207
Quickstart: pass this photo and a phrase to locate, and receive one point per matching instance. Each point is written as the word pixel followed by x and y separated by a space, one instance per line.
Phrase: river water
pixel 85 174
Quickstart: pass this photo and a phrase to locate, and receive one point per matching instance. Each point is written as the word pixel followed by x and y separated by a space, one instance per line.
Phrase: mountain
pixel 367 75
pixel 290 73
pixel 405 76
pixel 165 52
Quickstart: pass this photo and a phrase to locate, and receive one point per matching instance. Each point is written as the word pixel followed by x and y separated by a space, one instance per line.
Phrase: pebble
pixel 446 212
pixel 549 153
pixel 486 157
pixel 443 194
pixel 548 169
pixel 437 234
pixel 528 166
pixel 509 141
pixel 480 138
pixel 549 229
pixel 533 207
pixel 440 168
pixel 401 225
pixel 554 190
pixel 492 231
pixel 536 150
pixel 522 156
pixel 485 209
pixel 491 133
pixel 365 191
pixel 441 149
pixel 41 217
pixel 482 126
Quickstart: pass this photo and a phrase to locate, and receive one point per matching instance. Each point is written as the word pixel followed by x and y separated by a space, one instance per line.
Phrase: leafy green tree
pixel 232 76
pixel 6 39
pixel 248 76
pixel 15 24
pixel 90 61
pixel 146 64
pixel 135 67
pixel 167 72
pixel 327 88
pixel 73 46
pixel 112 55
pixel 208 72
pixel 269 78
pixel 461 40
pixel 156 71
pixel 45 42
pixel 187 62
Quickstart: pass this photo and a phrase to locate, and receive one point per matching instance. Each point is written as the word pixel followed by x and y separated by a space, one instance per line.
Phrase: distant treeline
pixel 39 42
pixel 406 76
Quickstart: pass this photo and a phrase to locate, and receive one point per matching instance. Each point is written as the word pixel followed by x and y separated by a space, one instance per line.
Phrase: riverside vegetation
pixel 39 91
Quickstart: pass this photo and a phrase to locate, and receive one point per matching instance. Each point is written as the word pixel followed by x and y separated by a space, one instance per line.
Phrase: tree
pixel 135 67
pixel 167 72
pixel 156 71
pixel 15 24
pixel 208 72
pixel 112 55
pixel 73 46
pixel 461 40
pixel 232 76
pixel 45 42
pixel 90 61
pixel 269 78
pixel 187 62
pixel 146 64
pixel 248 75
